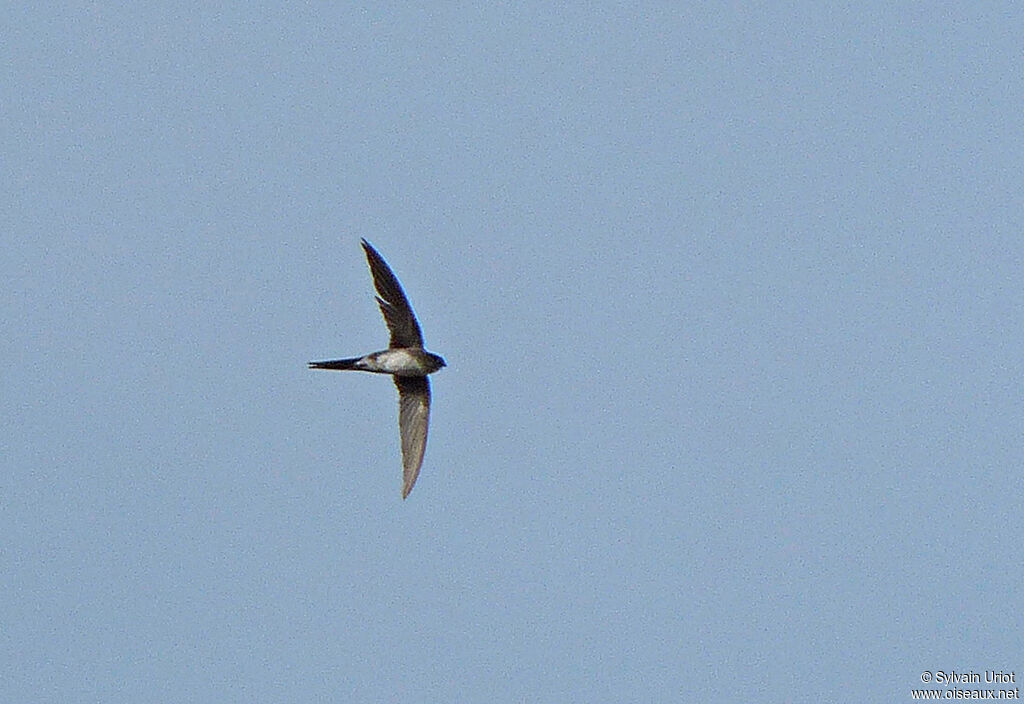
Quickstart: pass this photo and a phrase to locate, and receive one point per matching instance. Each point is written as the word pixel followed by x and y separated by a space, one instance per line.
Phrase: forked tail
pixel 336 364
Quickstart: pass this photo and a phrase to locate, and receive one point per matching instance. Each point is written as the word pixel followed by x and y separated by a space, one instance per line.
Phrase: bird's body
pixel 405 360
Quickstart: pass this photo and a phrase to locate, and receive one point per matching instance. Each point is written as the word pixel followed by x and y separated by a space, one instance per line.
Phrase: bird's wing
pixel 405 331
pixel 413 417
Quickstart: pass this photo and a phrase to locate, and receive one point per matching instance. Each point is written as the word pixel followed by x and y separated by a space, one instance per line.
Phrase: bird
pixel 405 360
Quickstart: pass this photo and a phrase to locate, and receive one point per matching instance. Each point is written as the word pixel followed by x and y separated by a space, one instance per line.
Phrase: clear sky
pixel 730 295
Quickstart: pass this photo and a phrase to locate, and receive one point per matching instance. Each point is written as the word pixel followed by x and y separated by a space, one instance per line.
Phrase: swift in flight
pixel 404 359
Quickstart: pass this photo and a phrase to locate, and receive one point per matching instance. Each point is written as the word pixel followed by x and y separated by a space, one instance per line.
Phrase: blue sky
pixel 730 297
